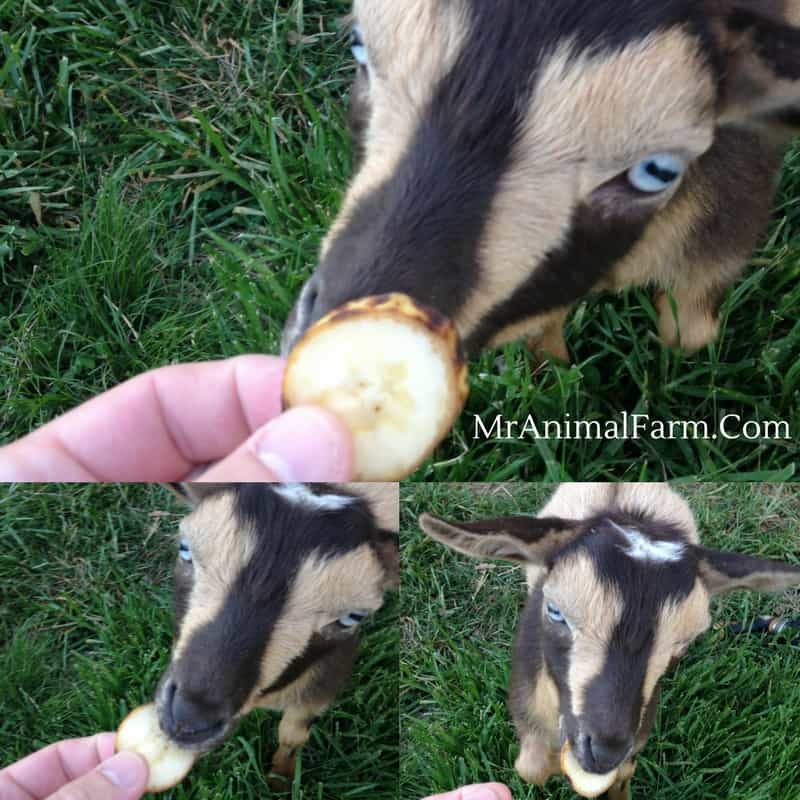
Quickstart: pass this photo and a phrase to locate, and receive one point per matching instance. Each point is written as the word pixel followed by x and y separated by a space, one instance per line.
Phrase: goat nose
pixel 192 715
pixel 604 753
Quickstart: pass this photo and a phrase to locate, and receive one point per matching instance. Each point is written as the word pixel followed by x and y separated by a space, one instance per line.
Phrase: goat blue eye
pixel 555 615
pixel 351 619
pixel 358 47
pixel 184 551
pixel 656 173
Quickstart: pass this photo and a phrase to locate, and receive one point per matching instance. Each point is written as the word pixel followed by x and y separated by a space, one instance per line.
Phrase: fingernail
pixel 305 444
pixel 479 793
pixel 124 769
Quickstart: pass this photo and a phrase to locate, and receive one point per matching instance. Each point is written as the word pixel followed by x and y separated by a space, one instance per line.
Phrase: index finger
pixel 44 772
pixel 159 426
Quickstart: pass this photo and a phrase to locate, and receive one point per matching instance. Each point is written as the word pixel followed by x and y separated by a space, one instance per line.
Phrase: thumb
pixel 121 777
pixel 303 444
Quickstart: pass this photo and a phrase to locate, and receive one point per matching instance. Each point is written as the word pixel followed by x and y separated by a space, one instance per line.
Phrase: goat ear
pixel 531 540
pixel 724 572
pixel 193 493
pixel 760 42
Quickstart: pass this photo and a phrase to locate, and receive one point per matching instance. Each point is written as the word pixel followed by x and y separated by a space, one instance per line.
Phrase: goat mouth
pixel 202 740
pixel 588 764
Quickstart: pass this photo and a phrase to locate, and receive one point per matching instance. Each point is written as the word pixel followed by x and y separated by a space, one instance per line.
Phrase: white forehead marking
pixel 301 495
pixel 644 549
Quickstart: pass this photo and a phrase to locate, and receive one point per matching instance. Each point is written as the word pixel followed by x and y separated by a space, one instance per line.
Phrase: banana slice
pixel 586 784
pixel 392 370
pixel 141 733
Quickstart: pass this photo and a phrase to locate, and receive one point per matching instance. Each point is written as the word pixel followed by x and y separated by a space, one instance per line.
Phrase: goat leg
pixel 293 733
pixel 536 761
pixel 621 789
pixel 549 343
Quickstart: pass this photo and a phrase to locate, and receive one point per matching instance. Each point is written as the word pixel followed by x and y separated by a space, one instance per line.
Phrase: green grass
pixel 167 171
pixel 729 720
pixel 86 630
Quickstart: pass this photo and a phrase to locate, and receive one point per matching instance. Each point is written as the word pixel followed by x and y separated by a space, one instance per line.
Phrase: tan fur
pixel 621 788
pixel 762 93
pixel 537 760
pixel 594 611
pixel 753 89
pixel 654 259
pixel 499 544
pixel 293 732
pixel 591 119
pixel 589 499
pixel 549 340
pixel 339 584
pixel 559 160
pixel 536 328
pixel 791 12
pixel 691 325
pixel 770 579
pixel 219 549
pixel 323 590
pixel 543 708
pixel 678 625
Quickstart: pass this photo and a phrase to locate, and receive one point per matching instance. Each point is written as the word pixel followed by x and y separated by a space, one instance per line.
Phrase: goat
pixel 518 155
pixel 619 586
pixel 271 583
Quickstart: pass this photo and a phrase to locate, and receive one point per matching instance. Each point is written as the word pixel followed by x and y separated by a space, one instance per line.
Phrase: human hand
pixel 482 791
pixel 166 424
pixel 77 768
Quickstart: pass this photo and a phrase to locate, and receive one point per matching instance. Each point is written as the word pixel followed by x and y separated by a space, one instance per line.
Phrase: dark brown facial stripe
pixel 220 662
pixel 288 530
pixel 594 246
pixel 317 647
pixel 613 700
pixel 611 704
pixel 595 25
pixel 420 232
pixel 645 586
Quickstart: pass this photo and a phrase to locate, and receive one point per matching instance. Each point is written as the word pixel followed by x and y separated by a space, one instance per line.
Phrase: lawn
pixel 167 171
pixel 729 720
pixel 86 629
